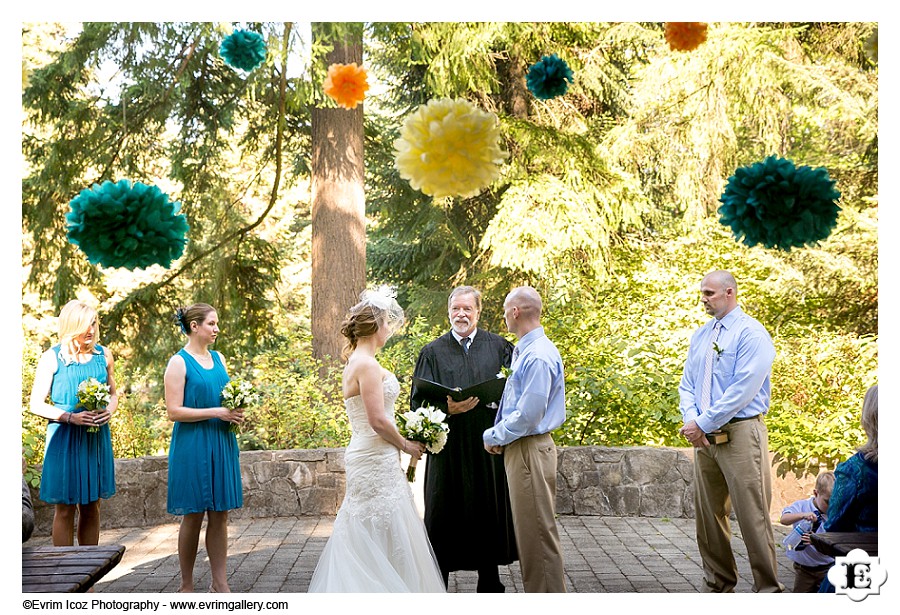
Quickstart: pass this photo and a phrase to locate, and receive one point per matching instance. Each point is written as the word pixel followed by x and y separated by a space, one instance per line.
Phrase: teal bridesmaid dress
pixel 78 465
pixel 204 465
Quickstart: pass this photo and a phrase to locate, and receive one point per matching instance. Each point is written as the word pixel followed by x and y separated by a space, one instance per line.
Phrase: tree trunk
pixel 338 208
pixel 515 91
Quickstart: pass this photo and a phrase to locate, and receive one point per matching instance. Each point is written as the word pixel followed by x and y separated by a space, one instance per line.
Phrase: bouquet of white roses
pixel 239 393
pixel 92 395
pixel 425 425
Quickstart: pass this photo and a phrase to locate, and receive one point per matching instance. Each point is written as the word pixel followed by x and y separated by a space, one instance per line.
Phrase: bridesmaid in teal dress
pixel 78 468
pixel 204 468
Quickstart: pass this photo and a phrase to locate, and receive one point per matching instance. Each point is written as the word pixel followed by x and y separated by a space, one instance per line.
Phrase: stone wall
pixel 625 482
pixel 620 482
pixel 276 483
pixel 646 482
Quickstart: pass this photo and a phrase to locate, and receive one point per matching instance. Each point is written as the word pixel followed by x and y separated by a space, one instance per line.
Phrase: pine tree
pixel 338 211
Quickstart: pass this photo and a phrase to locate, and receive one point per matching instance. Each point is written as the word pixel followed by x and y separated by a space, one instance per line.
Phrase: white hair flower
pixel 384 299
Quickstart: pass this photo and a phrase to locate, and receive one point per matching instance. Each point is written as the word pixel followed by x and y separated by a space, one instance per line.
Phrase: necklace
pixel 205 357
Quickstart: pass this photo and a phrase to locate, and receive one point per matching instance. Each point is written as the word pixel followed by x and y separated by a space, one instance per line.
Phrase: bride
pixel 379 542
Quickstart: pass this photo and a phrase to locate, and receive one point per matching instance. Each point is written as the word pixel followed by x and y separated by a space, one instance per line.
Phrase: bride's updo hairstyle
pixel 377 308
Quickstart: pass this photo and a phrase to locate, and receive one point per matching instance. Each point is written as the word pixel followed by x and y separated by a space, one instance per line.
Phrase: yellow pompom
pixel 449 148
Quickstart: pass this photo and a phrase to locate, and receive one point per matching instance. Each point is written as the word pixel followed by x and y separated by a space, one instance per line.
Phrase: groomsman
pixel 725 392
pixel 533 405
pixel 467 509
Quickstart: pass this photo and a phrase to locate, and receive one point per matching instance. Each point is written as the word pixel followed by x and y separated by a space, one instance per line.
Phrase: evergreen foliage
pixel 607 205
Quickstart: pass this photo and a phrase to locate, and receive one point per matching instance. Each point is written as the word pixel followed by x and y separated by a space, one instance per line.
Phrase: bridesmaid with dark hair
pixel 204 467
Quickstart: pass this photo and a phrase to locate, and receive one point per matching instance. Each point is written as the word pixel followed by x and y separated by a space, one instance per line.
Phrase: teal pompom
pixel 549 77
pixel 127 225
pixel 778 205
pixel 243 49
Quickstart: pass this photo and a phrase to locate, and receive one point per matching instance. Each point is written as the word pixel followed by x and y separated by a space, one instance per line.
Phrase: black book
pixel 487 392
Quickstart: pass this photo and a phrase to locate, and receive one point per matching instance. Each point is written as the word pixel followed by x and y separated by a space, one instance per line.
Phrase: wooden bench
pixel 67 569
pixel 841 543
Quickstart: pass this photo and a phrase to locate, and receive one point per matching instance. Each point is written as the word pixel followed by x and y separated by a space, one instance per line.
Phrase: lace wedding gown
pixel 379 542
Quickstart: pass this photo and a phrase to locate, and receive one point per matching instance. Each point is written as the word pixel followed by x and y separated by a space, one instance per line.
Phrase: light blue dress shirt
pixel 740 382
pixel 534 399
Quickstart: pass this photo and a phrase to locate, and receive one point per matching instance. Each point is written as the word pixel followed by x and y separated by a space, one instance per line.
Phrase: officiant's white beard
pixel 462 326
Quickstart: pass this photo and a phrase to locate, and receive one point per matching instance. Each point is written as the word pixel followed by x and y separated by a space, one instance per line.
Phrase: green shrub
pixel 301 404
pixel 818 384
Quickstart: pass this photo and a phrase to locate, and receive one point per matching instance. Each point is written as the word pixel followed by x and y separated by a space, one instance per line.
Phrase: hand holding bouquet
pixel 425 425
pixel 93 395
pixel 239 393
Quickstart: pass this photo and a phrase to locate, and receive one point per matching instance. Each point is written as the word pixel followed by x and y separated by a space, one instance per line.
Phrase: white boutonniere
pixel 718 348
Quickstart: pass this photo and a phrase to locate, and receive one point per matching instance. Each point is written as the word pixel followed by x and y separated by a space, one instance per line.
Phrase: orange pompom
pixel 346 84
pixel 685 35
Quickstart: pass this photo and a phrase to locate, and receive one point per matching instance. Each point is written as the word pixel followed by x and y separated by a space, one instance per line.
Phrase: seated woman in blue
pixel 204 467
pixel 854 500
pixel 78 466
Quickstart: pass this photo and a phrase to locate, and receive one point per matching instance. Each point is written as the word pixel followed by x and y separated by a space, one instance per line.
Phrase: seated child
pixel 810 566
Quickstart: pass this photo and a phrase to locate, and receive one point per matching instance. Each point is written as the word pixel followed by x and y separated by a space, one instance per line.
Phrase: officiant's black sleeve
pixel 425 368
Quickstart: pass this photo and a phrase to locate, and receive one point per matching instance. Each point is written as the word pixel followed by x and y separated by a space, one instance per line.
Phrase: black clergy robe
pixel 467 512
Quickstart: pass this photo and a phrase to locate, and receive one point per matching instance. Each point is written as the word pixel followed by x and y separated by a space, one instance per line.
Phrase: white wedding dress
pixel 379 543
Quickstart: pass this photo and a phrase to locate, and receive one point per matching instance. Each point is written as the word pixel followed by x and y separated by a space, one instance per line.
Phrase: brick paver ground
pixel 278 555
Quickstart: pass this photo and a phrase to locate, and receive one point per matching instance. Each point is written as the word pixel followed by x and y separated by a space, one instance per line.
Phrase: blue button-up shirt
pixel 740 381
pixel 534 399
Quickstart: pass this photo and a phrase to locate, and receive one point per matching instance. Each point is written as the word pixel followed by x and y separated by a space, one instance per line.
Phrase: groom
pixel 533 405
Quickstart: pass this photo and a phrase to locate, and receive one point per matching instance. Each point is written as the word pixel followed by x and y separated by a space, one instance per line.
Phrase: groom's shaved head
pixel 527 300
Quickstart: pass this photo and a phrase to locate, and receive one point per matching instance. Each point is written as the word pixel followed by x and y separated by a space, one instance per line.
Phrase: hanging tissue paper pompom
pixel 778 205
pixel 346 84
pixel 127 225
pixel 243 49
pixel 449 148
pixel 685 35
pixel 549 77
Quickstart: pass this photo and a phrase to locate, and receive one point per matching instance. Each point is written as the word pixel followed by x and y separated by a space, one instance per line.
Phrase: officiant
pixel 467 511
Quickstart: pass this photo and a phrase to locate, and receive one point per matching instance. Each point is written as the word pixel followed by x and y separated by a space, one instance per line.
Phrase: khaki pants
pixel 736 472
pixel 531 473
pixel 808 579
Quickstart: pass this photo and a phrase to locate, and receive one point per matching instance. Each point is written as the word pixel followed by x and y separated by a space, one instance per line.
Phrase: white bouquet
pixel 92 395
pixel 239 393
pixel 425 425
